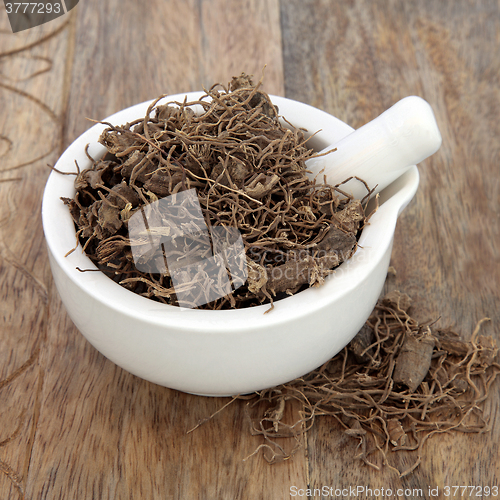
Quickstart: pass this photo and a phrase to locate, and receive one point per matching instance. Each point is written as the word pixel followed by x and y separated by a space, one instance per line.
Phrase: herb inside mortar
pixel 249 173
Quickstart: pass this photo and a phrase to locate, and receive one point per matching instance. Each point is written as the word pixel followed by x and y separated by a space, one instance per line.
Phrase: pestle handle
pixel 382 150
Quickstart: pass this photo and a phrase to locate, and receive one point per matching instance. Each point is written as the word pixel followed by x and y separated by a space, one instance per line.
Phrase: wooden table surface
pixel 75 426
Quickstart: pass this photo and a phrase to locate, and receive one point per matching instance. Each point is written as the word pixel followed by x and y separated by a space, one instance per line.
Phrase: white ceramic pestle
pixel 383 149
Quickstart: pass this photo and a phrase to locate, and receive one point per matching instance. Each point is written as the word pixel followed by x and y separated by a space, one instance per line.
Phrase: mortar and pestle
pixel 237 351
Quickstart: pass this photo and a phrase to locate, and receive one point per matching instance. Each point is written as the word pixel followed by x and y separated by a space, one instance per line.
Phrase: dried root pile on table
pixel 249 173
pixel 395 386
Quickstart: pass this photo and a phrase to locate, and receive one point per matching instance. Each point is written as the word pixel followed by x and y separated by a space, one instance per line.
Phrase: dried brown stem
pixel 358 388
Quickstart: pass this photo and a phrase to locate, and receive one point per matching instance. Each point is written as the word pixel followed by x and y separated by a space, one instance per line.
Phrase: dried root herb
pixel 249 173
pixel 397 384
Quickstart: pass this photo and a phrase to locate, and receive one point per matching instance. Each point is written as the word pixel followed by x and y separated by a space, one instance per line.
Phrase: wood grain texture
pixel 32 66
pixel 363 57
pixel 87 428
pixel 72 424
pixel 127 53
